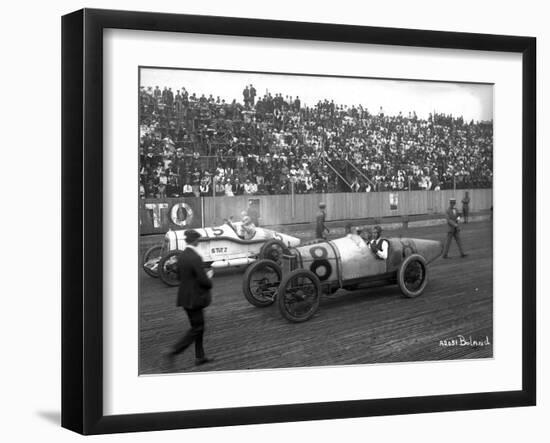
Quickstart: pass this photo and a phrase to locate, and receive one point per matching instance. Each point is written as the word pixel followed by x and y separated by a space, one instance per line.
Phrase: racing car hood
pixel 429 249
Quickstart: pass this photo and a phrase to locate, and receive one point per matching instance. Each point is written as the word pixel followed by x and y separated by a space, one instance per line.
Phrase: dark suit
pixel 193 296
pixel 466 208
pixel 320 227
pixel 452 231
pixel 238 189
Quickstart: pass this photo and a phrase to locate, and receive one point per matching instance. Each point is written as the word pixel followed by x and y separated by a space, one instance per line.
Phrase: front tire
pixel 412 276
pixel 151 260
pixel 261 282
pixel 299 295
pixel 168 268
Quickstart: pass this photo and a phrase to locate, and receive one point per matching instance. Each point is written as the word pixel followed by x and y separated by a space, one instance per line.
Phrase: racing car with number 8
pixel 318 267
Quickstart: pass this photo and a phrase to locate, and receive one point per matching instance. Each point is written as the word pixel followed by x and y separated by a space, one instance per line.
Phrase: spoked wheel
pixel 261 282
pixel 273 250
pixel 151 260
pixel 168 268
pixel 412 276
pixel 299 295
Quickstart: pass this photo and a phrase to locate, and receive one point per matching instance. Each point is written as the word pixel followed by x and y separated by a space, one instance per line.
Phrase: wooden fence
pixel 301 208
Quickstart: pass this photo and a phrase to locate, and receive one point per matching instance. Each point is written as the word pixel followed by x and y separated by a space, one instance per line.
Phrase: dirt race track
pixel 365 326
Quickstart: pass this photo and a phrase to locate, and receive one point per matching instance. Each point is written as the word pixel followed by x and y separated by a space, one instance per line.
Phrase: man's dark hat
pixel 191 235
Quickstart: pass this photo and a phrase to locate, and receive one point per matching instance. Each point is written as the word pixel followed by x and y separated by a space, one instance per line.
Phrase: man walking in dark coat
pixel 454 230
pixel 193 296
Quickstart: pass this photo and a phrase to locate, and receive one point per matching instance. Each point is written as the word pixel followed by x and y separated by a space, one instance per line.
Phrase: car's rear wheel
pixel 261 282
pixel 273 250
pixel 151 260
pixel 168 268
pixel 412 276
pixel 299 295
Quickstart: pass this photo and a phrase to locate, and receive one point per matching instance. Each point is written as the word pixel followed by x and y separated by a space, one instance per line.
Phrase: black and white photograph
pixel 275 221
pixel 291 220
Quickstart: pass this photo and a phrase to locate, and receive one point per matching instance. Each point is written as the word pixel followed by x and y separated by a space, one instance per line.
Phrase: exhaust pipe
pixel 232 263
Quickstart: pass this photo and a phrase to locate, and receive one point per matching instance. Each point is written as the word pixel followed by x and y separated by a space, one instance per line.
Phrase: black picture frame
pixel 82 220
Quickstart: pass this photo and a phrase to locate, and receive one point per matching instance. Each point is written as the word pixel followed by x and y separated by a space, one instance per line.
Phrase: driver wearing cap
pixel 379 245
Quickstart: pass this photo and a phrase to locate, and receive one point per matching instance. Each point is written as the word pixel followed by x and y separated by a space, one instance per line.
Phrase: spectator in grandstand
pixel 228 189
pixel 246 96
pixel 252 94
pixel 172 188
pixel 187 190
pixel 238 187
pixel 219 188
pixel 204 187
pixel 281 145
pixel 250 187
pixel 163 181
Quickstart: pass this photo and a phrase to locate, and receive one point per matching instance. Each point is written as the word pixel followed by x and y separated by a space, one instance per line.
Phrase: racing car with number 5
pixel 221 247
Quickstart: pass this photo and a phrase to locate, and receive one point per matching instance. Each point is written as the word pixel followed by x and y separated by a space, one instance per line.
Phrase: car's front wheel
pixel 299 295
pixel 168 268
pixel 151 260
pixel 412 276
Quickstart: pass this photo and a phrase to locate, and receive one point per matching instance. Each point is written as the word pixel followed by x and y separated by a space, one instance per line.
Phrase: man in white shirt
pixel 379 245
pixel 250 188
pixel 187 190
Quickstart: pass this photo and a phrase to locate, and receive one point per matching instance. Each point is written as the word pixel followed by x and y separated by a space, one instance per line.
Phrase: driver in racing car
pixel 379 245
pixel 248 229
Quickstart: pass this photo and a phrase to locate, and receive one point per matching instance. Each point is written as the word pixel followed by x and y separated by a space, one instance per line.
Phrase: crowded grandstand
pixel 198 145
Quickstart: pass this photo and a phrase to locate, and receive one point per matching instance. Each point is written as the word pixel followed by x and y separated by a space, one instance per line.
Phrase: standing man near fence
pixel 453 229
pixel 466 207
pixel 321 229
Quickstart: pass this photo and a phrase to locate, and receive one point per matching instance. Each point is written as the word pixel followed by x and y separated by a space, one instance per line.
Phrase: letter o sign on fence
pixel 181 214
